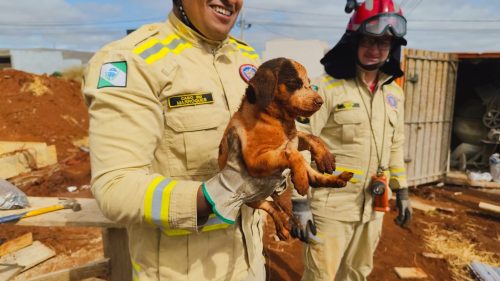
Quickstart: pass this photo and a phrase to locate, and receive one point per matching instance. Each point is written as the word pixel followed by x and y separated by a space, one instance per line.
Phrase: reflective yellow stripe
pixel 357 177
pixel 146 45
pixel 213 223
pixel 246 51
pixel 398 170
pixel 333 84
pixel 154 49
pixel 136 269
pixel 148 199
pixel 165 206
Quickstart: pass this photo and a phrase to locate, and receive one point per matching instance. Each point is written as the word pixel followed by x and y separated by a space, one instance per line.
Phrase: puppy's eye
pixel 294 84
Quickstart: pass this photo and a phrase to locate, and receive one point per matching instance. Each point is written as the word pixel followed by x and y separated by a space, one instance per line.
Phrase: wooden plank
pixel 116 248
pixel 460 178
pixel 29 256
pixel 16 244
pixel 410 273
pixel 89 216
pixel 7 272
pixel 93 269
pixel 411 107
pixel 11 146
pixel 489 207
pixel 39 154
pixel 11 166
pixel 421 114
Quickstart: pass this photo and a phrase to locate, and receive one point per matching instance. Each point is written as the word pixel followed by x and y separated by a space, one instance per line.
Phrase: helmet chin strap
pixel 369 67
pixel 184 17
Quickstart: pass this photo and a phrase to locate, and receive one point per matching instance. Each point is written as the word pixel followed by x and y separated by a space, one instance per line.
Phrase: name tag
pixel 190 100
pixel 346 106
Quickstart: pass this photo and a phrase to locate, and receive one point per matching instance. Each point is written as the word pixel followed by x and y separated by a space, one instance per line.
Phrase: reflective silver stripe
pixel 157 202
pixel 159 46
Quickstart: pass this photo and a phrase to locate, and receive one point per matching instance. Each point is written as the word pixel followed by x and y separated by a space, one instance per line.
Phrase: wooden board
pixel 460 178
pixel 410 273
pixel 89 216
pixel 24 259
pixel 20 157
pixel 8 272
pixel 16 244
pixel 93 269
pixel 489 207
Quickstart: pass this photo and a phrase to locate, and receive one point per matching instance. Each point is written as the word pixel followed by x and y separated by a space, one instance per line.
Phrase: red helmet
pixel 377 17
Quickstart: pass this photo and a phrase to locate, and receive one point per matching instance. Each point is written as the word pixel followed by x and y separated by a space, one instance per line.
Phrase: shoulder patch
pixel 247 71
pixel 113 74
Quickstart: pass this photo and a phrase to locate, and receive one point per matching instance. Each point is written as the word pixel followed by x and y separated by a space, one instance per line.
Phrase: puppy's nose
pixel 318 101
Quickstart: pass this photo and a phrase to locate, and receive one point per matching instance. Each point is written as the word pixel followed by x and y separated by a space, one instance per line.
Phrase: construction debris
pixel 410 273
pixel 16 244
pixel 24 259
pixel 484 272
pixel 22 157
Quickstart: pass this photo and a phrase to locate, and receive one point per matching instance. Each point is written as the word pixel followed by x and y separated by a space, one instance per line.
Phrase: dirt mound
pixel 43 109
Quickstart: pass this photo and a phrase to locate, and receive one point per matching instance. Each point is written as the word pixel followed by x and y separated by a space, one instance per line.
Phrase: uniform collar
pixel 383 77
pixel 192 36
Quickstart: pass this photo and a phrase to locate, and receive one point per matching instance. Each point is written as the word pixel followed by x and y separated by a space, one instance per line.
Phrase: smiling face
pixel 374 50
pixel 213 18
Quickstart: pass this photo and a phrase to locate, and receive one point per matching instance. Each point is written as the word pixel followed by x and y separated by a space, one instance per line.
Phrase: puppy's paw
pixel 346 176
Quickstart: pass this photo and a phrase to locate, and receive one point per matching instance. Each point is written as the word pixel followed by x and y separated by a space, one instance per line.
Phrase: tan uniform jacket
pixel 343 123
pixel 159 101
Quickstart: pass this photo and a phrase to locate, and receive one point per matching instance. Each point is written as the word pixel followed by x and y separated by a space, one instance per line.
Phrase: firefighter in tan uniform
pixel 159 101
pixel 362 123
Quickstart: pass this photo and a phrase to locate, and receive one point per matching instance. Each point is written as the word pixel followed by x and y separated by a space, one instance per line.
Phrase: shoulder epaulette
pixel 396 88
pixel 328 82
pixel 155 48
pixel 244 48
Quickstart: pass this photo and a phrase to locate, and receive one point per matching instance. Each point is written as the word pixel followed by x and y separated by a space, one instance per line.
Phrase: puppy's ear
pixel 261 87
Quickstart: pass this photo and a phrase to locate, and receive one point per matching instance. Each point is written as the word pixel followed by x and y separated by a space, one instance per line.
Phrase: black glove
pixel 404 207
pixel 306 232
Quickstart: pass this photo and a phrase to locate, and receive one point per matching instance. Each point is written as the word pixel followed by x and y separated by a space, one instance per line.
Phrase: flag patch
pixel 113 74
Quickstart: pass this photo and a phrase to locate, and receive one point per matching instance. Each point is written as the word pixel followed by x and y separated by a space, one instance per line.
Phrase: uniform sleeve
pixel 126 125
pixel 396 161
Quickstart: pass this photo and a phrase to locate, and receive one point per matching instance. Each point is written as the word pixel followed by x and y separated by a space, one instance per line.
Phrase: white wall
pixel 41 61
pixel 306 52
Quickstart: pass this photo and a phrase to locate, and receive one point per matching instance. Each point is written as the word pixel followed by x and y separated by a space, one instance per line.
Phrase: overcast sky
pixel 452 25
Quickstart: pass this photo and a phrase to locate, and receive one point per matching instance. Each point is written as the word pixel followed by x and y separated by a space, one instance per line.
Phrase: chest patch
pixel 346 106
pixel 303 120
pixel 190 100
pixel 392 101
pixel 247 71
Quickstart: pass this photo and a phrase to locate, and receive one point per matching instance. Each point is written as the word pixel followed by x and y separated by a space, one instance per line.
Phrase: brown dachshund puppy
pixel 279 92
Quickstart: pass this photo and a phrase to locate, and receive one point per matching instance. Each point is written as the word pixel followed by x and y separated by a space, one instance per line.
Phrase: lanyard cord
pixel 379 158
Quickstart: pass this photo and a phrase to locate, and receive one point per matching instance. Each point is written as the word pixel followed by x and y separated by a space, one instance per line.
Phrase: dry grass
pixel 73 73
pixel 458 250
pixel 37 87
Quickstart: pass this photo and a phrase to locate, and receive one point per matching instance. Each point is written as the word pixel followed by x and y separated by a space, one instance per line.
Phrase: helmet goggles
pixel 380 24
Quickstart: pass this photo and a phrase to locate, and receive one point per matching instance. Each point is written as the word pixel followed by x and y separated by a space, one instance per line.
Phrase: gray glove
pixel 404 207
pixel 233 186
pixel 306 232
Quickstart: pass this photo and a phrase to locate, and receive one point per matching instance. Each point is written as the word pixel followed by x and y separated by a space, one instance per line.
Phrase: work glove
pixel 404 207
pixel 306 231
pixel 233 186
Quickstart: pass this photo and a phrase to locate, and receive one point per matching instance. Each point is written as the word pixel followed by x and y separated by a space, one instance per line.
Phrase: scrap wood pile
pixel 43 126
pixel 43 152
